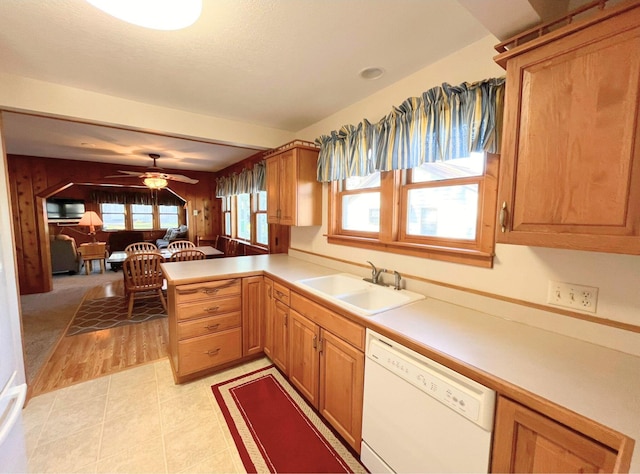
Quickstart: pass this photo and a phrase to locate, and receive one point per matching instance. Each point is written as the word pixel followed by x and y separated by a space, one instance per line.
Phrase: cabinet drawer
pixel 281 293
pixel 210 325
pixel 210 307
pixel 208 351
pixel 208 290
pixel 347 330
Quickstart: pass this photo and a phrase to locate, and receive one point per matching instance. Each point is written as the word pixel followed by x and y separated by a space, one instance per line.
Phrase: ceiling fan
pixel 155 177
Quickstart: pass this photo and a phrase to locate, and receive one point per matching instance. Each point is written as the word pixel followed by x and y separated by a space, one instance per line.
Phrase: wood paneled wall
pixel 30 177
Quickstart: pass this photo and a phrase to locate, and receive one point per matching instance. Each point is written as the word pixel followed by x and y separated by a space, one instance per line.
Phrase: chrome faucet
pixel 375 274
pixel 397 278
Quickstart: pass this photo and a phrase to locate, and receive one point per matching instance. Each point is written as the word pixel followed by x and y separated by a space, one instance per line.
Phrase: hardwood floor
pixel 94 354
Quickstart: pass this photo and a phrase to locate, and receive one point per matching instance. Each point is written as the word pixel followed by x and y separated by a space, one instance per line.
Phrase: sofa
pixel 64 254
pixel 173 234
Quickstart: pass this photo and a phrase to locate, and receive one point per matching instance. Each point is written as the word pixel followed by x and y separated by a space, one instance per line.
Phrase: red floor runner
pixel 275 430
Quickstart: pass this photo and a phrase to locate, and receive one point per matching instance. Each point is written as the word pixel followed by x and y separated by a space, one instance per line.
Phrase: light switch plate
pixel 573 296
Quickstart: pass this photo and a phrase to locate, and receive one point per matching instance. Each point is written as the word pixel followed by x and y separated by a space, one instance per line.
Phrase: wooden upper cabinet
pixel 526 441
pixel 570 165
pixel 294 196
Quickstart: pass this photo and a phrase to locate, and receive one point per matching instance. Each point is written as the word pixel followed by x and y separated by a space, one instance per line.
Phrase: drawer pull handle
pixel 212 327
pixel 280 294
pixel 210 291
pixel 213 352
pixel 212 309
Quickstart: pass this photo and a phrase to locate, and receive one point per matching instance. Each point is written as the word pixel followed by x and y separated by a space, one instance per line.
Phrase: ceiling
pixel 284 64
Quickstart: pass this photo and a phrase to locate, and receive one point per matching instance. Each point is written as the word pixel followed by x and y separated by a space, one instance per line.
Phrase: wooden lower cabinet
pixel 268 318
pixel 329 372
pixel 304 356
pixel 252 324
pixel 342 387
pixel 527 441
pixel 280 350
pixel 202 352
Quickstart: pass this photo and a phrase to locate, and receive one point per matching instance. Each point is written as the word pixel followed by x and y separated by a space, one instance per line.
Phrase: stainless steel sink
pixel 357 295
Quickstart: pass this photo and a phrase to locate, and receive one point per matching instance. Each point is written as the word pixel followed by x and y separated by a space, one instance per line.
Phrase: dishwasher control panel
pixel 463 395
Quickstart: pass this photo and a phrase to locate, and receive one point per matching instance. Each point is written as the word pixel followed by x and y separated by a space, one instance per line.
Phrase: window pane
pixel 227 223
pixel 168 220
pixel 458 168
pixel 167 209
pixel 113 222
pixel 108 207
pixel 142 221
pixel 262 229
pixel 262 200
pixel 142 208
pixel 361 212
pixel 362 182
pixel 244 216
pixel 447 212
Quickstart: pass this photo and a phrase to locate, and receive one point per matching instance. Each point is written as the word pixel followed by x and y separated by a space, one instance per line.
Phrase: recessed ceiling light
pixel 371 73
pixel 155 14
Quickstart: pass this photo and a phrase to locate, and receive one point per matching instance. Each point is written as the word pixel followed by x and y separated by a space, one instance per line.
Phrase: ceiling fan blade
pixel 181 178
pixel 123 176
pixel 132 173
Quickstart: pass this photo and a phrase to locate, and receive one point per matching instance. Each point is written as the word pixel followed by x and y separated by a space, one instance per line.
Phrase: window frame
pixel 393 219
pixel 253 223
pixel 128 217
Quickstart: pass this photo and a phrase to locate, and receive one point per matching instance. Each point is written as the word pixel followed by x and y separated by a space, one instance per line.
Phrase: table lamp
pixel 91 219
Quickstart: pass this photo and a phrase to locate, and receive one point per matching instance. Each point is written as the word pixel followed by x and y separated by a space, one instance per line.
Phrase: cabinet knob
pixel 504 216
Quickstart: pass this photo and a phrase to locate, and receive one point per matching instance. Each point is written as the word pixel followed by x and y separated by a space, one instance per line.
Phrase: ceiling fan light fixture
pixel 155 183
pixel 154 14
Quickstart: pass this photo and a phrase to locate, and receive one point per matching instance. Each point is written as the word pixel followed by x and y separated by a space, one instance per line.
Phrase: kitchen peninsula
pixel 586 389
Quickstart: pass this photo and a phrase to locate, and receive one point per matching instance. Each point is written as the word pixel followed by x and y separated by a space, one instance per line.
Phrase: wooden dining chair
pixel 181 244
pixel 232 248
pixel 142 274
pixel 184 255
pixel 137 247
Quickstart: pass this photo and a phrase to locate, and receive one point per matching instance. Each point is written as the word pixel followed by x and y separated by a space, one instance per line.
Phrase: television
pixel 64 210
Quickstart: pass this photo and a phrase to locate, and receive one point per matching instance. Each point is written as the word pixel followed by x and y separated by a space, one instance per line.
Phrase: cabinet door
pixel 273 190
pixel 268 317
pixel 526 441
pixel 280 350
pixel 342 387
pixel 570 173
pixel 288 186
pixel 303 356
pixel 252 306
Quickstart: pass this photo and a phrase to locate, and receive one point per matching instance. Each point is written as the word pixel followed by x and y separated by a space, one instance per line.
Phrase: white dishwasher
pixel 420 416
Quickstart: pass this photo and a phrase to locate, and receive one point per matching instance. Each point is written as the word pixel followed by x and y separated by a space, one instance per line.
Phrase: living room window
pixel 117 216
pixel 245 217
pixel 113 216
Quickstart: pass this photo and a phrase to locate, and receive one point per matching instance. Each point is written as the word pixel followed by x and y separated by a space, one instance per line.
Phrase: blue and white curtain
pixel 444 123
pixel 247 181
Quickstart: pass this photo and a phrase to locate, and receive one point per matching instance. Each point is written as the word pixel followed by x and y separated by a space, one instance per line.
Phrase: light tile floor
pixel 137 420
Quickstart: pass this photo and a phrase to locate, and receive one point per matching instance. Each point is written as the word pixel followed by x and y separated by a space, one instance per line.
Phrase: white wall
pixel 519 272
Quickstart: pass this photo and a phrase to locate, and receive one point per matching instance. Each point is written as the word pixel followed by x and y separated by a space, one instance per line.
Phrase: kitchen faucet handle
pixel 398 277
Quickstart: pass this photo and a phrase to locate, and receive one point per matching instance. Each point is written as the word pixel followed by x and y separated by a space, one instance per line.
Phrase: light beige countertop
pixel 597 382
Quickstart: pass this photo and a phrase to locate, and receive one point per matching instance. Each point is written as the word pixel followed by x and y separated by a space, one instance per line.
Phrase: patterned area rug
pixel 105 313
pixel 275 429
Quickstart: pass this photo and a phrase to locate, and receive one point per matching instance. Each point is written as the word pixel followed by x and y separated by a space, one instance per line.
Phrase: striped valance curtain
pixel 444 123
pixel 162 197
pixel 247 181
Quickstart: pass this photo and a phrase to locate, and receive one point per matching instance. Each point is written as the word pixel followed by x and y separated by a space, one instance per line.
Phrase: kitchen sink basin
pixel 357 295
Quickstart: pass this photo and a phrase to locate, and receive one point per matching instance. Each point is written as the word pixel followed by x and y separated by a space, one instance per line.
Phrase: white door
pixel 12 378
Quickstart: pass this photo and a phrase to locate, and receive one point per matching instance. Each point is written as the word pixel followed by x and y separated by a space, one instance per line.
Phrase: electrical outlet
pixel 570 295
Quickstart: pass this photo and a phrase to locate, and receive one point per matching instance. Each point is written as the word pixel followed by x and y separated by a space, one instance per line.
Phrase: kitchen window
pixel 443 210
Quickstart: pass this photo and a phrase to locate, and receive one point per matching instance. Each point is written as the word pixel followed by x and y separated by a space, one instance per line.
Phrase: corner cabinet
pixel 252 322
pixel 570 164
pixel 527 441
pixel 294 195
pixel 276 340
